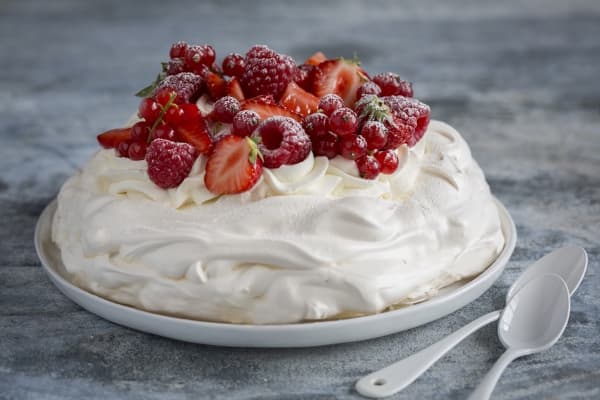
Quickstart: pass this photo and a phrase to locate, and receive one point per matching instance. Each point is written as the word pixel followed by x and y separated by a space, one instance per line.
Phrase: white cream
pixel 309 241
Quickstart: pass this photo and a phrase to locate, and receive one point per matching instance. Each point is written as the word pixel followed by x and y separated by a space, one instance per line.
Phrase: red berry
pixel 123 148
pixel 304 77
pixel 282 141
pixel 410 112
pixel 316 125
pixel 175 66
pixel 225 109
pixel 111 139
pixel 329 103
pixel 266 72
pixel 398 134
pixel 233 64
pixel 326 145
pixel 343 121
pixel 197 55
pixel 368 167
pixel 178 50
pixel 353 146
pixel 140 131
pixel 186 85
pixel 149 110
pixel 341 77
pixel 375 133
pixel 316 58
pixel 392 85
pixel 137 150
pixel 299 100
pixel 182 115
pixel 368 88
pixel 163 131
pixel 169 163
pixel 245 122
pixel 388 161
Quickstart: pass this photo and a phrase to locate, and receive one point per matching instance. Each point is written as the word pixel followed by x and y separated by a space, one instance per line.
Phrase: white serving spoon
pixel 532 322
pixel 570 263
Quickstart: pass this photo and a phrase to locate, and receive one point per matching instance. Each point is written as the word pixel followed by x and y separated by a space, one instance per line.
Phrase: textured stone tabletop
pixel 520 80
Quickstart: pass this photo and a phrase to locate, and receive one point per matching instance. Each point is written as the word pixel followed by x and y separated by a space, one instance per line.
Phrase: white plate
pixel 291 335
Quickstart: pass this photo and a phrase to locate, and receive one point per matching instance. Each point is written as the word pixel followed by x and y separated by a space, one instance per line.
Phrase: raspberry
pixel 316 125
pixel 412 112
pixel 368 88
pixel 326 145
pixel 266 72
pixel 281 140
pixel 186 85
pixel 388 161
pixel 392 85
pixel 353 146
pixel 198 55
pixel 169 163
pixel 330 102
pixel 245 122
pixel 398 134
pixel 375 133
pixel 304 77
pixel 178 50
pixel 368 167
pixel 233 64
pixel 343 121
pixel 225 109
pixel 175 66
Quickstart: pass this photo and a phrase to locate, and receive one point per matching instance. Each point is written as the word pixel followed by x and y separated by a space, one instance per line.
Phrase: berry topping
pixel 392 85
pixel 169 163
pixel 388 161
pixel 245 122
pixel 178 50
pixel 225 109
pixel 233 64
pixel 140 131
pixel 175 66
pixel 265 108
pixel 316 125
pixel 266 72
pixel 330 102
pixel 217 86
pixel 137 150
pixel 368 88
pixel 341 77
pixel 198 55
pixel 304 76
pixel 281 141
pixel 412 112
pixel 234 166
pixel 343 121
pixel 298 100
pixel 195 132
pixel 316 59
pixel 375 133
pixel 123 148
pixel 234 89
pixel 149 110
pixel 186 85
pixel 368 167
pixel 353 146
pixel 163 131
pixel 326 145
pixel 111 139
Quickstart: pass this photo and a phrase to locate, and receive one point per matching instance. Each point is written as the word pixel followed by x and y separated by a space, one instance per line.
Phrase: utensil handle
pixel 397 376
pixel 487 385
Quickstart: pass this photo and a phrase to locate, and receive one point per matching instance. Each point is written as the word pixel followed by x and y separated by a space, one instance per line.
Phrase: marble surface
pixel 519 79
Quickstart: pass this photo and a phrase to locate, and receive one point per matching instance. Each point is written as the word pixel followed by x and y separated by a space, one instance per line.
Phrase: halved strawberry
pixel 217 86
pixel 196 134
pixel 341 77
pixel 316 59
pixel 299 100
pixel 265 109
pixel 234 166
pixel 112 138
pixel 234 89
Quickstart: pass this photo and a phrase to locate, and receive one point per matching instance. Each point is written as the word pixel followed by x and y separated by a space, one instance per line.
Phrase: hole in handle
pixel 379 382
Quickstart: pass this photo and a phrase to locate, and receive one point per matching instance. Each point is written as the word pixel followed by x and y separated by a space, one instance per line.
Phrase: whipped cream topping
pixel 310 241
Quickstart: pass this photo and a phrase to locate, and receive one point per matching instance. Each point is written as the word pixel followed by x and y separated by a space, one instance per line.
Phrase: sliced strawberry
pixel 234 166
pixel 234 89
pixel 299 100
pixel 265 109
pixel 341 77
pixel 217 86
pixel 196 134
pixel 112 138
pixel 316 59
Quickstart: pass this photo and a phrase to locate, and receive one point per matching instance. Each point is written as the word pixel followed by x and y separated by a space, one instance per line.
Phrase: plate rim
pixel 69 290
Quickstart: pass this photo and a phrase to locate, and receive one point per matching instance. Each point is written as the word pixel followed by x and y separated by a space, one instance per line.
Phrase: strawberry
pixel 341 77
pixel 217 86
pixel 265 109
pixel 234 166
pixel 191 128
pixel 112 138
pixel 299 100
pixel 316 59
pixel 234 89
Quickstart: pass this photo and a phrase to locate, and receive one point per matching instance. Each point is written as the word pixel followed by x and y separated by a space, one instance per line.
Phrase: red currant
pixel 353 146
pixel 329 103
pixel 375 134
pixel 245 122
pixel 368 88
pixel 326 145
pixel 199 55
pixel 123 148
pixel 388 160
pixel 137 150
pixel 343 121
pixel 149 110
pixel 164 131
pixel 178 49
pixel 316 125
pixel 182 115
pixel 140 131
pixel 368 167
pixel 233 64
pixel 225 109
pixel 164 95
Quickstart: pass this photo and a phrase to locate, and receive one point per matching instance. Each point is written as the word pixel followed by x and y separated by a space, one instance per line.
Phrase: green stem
pixel 163 111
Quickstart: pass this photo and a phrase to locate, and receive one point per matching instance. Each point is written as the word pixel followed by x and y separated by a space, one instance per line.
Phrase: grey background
pixel 520 80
